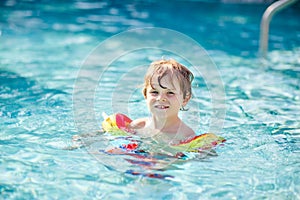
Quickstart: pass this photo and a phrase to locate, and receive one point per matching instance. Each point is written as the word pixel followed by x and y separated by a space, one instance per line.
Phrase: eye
pixel 170 93
pixel 153 92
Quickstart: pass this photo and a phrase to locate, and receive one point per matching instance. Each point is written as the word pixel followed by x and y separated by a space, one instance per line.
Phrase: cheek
pixel 149 100
pixel 176 99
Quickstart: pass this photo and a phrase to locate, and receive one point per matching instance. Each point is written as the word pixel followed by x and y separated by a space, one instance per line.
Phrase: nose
pixel 161 97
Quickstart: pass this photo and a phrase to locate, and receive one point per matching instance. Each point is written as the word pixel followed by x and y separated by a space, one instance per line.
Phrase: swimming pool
pixel 49 52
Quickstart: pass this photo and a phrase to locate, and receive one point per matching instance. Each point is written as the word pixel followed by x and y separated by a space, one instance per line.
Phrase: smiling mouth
pixel 161 107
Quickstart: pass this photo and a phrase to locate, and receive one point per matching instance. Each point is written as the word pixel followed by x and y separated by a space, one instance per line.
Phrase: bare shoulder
pixel 187 131
pixel 138 123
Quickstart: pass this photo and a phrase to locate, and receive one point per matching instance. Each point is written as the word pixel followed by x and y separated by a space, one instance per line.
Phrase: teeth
pixel 162 107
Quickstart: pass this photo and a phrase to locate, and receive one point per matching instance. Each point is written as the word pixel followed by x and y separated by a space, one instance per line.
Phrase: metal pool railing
pixel 265 22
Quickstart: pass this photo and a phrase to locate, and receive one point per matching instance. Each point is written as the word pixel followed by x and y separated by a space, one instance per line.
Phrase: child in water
pixel 167 90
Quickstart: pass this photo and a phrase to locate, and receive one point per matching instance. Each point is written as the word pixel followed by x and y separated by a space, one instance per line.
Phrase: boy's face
pixel 167 101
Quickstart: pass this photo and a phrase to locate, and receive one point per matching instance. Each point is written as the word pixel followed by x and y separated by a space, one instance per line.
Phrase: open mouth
pixel 161 107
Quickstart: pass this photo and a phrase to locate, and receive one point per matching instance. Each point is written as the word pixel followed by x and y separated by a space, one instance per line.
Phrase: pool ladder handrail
pixel 265 23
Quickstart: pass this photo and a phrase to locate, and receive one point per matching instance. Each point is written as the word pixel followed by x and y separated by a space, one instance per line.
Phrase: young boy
pixel 167 89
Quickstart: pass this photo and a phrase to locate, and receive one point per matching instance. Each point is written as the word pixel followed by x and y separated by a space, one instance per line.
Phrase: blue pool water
pixel 55 84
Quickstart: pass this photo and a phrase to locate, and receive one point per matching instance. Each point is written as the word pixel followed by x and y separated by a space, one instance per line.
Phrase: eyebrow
pixel 165 88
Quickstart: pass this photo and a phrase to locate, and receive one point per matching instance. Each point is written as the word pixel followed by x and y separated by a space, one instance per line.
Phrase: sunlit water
pixel 44 45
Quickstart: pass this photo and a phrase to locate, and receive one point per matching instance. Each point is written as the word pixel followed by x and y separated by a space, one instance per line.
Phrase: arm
pixel 138 123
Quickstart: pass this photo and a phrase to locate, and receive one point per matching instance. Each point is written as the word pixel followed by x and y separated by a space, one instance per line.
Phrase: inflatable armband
pixel 117 124
pixel 204 141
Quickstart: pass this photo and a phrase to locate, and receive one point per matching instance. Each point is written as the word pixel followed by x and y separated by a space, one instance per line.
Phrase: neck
pixel 170 124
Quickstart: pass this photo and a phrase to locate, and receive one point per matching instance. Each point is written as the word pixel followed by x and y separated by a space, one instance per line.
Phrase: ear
pixel 186 100
pixel 145 93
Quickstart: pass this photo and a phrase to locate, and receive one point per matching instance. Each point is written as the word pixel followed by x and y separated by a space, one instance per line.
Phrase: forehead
pixel 166 82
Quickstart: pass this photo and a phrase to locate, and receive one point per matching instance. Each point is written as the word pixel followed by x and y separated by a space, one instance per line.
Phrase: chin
pixel 160 113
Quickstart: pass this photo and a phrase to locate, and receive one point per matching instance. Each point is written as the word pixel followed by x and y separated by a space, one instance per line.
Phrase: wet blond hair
pixel 161 68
